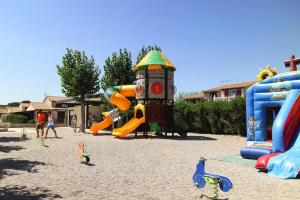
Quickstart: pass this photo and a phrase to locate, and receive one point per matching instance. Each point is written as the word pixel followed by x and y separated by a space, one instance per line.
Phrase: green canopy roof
pixel 153 60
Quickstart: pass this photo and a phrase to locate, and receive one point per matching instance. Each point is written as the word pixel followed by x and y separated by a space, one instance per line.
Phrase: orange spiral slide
pixel 116 96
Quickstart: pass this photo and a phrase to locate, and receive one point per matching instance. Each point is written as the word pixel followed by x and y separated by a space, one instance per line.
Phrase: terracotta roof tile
pixel 14 110
pixel 3 110
pixel 56 98
pixel 231 86
pixel 38 106
pixel 199 95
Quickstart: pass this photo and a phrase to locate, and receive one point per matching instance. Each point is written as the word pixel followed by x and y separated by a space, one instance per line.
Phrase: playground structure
pixel 273 121
pixel 154 98
pixel 200 178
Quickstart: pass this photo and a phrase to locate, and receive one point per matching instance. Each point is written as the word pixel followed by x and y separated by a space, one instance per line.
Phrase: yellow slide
pixel 102 125
pixel 129 127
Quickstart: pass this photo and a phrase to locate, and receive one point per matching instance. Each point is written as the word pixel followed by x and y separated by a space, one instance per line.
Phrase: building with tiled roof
pixel 63 108
pixel 224 92
pixel 195 97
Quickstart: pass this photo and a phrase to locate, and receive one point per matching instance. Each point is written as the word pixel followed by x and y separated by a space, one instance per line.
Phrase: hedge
pixel 217 117
pixel 14 118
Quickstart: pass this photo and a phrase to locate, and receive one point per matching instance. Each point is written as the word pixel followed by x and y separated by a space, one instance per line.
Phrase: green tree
pixel 79 77
pixel 144 51
pixel 118 70
pixel 13 104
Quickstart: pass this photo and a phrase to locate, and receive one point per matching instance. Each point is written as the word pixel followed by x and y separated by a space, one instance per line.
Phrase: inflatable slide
pixel 273 124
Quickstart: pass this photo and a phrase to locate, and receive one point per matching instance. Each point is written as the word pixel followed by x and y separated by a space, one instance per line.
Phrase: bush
pixel 14 118
pixel 13 104
pixel 25 101
pixel 218 117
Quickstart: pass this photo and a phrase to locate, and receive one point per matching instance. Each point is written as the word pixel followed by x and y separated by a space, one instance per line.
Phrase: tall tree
pixel 118 69
pixel 80 76
pixel 144 51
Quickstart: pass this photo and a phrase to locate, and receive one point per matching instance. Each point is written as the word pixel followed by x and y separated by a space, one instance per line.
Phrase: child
pixel 74 122
pixel 50 125
pixel 40 123
pixel 90 122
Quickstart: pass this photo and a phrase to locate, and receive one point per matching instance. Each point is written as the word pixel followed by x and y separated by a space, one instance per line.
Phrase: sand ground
pixel 131 168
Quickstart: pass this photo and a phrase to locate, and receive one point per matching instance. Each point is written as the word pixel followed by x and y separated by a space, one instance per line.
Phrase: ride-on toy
pixel 200 178
pixel 82 153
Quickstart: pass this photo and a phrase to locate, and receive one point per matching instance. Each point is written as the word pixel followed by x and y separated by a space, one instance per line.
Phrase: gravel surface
pixel 131 168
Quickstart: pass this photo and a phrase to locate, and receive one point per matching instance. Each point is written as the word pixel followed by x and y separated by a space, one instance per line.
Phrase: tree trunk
pixel 82 127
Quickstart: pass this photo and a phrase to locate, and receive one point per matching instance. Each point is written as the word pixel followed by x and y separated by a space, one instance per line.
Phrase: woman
pixel 50 124
pixel 74 122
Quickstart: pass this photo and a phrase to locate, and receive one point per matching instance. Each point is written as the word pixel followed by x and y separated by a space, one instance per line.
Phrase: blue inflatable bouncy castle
pixel 273 121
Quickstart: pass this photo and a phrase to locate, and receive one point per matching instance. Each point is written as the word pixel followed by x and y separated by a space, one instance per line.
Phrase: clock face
pixel 156 88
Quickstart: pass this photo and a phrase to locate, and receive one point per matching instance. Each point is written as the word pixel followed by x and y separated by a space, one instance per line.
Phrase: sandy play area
pixel 132 168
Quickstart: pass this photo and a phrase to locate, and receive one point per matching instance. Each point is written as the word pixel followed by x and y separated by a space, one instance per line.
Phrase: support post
pixel 166 101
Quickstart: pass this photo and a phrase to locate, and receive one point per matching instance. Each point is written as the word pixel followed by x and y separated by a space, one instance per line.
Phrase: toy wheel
pixel 225 185
pixel 199 181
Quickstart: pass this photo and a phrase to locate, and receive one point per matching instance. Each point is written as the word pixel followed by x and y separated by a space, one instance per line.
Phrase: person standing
pixel 40 122
pixel 94 120
pixel 74 123
pixel 50 125
pixel 90 122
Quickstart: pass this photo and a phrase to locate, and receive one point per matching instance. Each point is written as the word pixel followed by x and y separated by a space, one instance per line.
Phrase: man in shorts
pixel 40 119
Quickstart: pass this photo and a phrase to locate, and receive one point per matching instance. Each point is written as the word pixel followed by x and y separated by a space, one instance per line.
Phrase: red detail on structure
pixel 291 124
pixel 292 63
pixel 156 88
pixel 262 162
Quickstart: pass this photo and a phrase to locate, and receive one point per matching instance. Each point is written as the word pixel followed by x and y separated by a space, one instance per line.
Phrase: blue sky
pixel 208 41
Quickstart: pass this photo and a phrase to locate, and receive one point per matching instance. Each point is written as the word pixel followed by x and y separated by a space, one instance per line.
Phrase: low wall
pixel 26 125
pixel 21 125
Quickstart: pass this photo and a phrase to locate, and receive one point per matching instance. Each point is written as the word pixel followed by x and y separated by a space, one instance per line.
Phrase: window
pixel 226 93
pixel 61 117
pixel 231 93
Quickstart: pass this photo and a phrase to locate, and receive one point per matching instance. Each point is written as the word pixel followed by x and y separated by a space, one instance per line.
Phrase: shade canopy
pixel 154 60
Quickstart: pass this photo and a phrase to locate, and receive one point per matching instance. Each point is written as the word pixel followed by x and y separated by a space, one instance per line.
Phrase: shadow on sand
pixel 207 197
pixel 13 139
pixel 100 134
pixel 15 192
pixel 7 149
pixel 8 164
pixel 55 138
pixel 88 164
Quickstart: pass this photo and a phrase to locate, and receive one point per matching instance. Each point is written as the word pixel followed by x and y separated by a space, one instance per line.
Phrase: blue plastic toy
pixel 200 178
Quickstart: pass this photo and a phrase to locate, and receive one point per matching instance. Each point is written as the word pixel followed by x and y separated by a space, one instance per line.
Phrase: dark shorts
pixel 40 126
